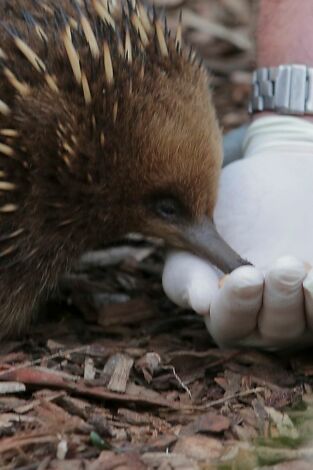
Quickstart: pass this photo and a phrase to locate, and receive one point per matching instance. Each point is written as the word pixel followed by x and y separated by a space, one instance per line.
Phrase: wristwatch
pixel 287 89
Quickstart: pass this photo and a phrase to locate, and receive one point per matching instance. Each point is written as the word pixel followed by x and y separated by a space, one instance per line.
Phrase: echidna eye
pixel 168 209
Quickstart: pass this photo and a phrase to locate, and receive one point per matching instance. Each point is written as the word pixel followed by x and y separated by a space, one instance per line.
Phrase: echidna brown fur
pixel 101 110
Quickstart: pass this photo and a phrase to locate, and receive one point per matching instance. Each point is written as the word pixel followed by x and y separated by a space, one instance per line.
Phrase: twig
pixel 179 380
pixel 59 354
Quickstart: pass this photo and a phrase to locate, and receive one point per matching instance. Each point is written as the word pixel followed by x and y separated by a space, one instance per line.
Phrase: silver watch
pixel 287 89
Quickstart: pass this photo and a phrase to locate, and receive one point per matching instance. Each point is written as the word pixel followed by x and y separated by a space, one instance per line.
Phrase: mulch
pixel 114 376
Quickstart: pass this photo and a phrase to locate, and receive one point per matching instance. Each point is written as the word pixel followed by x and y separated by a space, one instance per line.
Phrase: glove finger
pixel 234 309
pixel 282 315
pixel 189 281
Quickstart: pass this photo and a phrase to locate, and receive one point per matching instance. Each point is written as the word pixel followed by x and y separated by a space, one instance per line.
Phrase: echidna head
pixel 170 158
pixel 165 158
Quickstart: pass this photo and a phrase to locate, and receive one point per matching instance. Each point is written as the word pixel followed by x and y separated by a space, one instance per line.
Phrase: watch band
pixel 287 89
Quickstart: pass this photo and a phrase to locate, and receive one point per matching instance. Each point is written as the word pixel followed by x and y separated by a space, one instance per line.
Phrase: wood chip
pixel 11 387
pixel 134 311
pixel 173 461
pixel 62 449
pixel 207 423
pixel 202 448
pixel 116 372
pixel 89 369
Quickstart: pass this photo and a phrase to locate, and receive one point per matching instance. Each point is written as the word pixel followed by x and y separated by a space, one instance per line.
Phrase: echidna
pixel 106 127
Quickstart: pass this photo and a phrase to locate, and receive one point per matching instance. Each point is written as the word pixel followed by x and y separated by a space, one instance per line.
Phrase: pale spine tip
pixel 103 13
pixel 52 83
pixel 72 55
pixel 108 66
pixel 8 208
pixel 3 55
pixel 7 186
pixel 8 132
pixel 143 15
pixel 179 33
pixel 4 108
pixel 161 38
pixel 128 47
pixel 6 150
pixel 22 88
pixel 115 110
pixel 90 37
pixel 86 89
pixel 30 55
pixel 140 29
pixel 8 251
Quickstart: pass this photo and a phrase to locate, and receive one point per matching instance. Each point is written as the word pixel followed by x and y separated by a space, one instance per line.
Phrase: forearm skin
pixel 285 33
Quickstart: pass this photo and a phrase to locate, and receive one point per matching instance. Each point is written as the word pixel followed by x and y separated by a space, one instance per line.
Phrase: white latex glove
pixel 265 212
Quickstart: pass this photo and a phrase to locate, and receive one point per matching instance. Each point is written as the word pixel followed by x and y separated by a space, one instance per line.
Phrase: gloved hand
pixel 264 211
